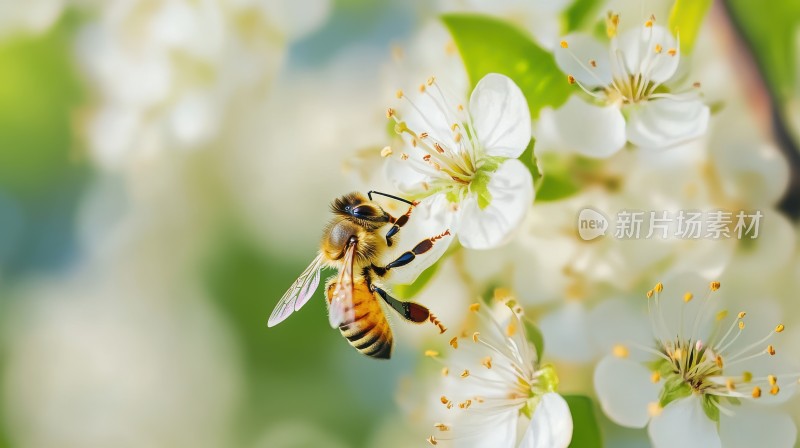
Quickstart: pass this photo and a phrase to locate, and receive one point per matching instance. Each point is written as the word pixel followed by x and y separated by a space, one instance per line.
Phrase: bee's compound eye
pixel 347 208
pixel 364 211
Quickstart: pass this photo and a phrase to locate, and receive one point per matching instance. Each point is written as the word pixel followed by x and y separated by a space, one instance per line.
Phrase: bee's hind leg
pixel 413 312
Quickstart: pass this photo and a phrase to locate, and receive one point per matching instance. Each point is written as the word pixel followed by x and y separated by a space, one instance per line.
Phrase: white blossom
pixel 494 390
pixel 467 155
pixel 630 90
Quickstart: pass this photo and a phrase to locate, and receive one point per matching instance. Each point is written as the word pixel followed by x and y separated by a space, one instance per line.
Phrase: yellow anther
pixel 659 287
pixel 465 373
pixel 449 405
pixel 773 380
pixel 687 297
pixel 756 392
pixel 431 80
pixel 715 286
pixel 502 294
pixel 672 52
pixel 475 307
pixel 423 135
pixel 771 350
pixel 648 24
pixel 593 63
pixel 389 113
pixel 779 328
pixel 445 371
pixel 655 377
pixel 457 138
pixel 570 79
pixel 741 325
pixel 612 21
pixel 386 151
pixel 658 48
pixel 438 147
pixel 564 44
pixel 475 336
pixel 403 156
pixel 432 440
pixel 730 384
pixel 422 88
pixel 399 94
pixel 774 390
pixel 441 427
pixel 654 409
pixel 620 351
pixel 511 329
pixel 719 361
pixel 650 294
pixel 747 377
pixel 741 315
pixel 454 342
pixel 487 362
pixel 431 353
pixel 460 107
pixel 444 399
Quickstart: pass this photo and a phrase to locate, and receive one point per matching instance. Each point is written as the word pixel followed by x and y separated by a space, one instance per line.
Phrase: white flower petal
pixel 551 425
pixel 498 430
pixel 591 130
pixel 431 217
pixel 511 189
pixel 566 331
pixel 666 122
pixel 757 427
pixel 500 115
pixel 620 321
pixel 576 60
pixel 638 46
pixel 625 391
pixel 683 423
pixel 408 175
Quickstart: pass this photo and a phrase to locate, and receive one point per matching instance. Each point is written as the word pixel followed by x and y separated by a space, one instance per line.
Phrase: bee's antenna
pixel 369 195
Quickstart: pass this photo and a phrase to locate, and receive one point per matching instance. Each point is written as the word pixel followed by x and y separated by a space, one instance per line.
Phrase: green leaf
pixel 770 33
pixel 535 337
pixel 557 181
pixel 710 407
pixel 528 158
pixel 586 432
pixel 685 19
pixel 406 292
pixel 488 45
pixel 579 14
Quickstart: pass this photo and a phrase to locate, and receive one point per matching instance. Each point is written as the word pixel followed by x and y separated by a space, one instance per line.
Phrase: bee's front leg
pixel 398 223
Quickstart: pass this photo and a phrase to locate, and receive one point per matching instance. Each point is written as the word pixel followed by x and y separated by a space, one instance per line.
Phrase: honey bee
pixel 353 242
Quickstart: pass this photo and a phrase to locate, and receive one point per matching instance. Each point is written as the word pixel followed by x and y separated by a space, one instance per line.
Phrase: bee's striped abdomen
pixel 369 331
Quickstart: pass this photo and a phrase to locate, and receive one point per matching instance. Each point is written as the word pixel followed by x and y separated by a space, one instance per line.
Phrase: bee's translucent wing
pixel 299 293
pixel 340 306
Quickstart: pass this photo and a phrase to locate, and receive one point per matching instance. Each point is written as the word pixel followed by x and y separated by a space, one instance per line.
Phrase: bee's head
pixel 359 209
